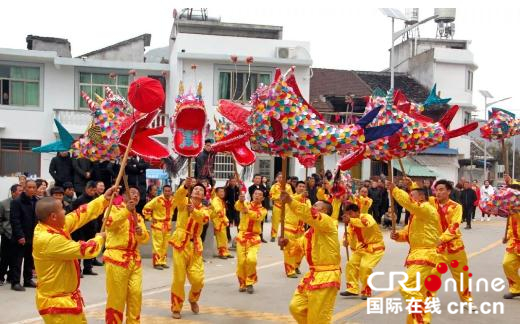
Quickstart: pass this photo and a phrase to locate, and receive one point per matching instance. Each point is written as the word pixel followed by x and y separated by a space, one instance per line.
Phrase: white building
pixel 44 82
pixel 449 64
pixel 209 45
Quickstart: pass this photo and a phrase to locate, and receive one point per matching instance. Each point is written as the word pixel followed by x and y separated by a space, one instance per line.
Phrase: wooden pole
pixel 284 181
pixel 506 171
pixel 346 242
pixel 127 194
pixel 119 176
pixel 504 157
pixel 391 179
pixel 402 167
pixel 189 167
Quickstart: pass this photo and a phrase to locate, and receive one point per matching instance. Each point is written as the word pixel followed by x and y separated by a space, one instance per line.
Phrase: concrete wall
pixel 447 172
pixel 57 91
pixel 226 45
pixel 5 184
pixel 132 52
pixel 62 49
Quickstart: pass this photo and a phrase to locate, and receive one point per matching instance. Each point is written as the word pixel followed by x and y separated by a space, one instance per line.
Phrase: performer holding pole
pixel 422 234
pixel 248 239
pixel 125 231
pixel 365 238
pixel 56 255
pixel 313 301
pixel 274 194
pixel 187 245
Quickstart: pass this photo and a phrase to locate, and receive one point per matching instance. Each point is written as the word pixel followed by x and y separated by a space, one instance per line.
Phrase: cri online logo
pixel 433 282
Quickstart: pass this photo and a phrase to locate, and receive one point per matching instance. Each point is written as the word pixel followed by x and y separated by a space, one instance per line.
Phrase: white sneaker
pixel 482 219
pixel 488 219
pixel 473 307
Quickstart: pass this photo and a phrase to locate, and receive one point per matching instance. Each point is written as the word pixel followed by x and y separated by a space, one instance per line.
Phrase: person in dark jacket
pixel 68 196
pixel 82 173
pixel 427 185
pixel 104 171
pixel 136 171
pixel 455 193
pixel 6 249
pixel 232 193
pixel 467 200
pixel 376 194
pixel 312 189
pixel 257 185
pixel 88 231
pixel 23 221
pixel 61 168
pixel 204 162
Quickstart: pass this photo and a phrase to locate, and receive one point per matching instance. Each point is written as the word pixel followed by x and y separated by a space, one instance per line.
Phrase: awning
pixel 413 169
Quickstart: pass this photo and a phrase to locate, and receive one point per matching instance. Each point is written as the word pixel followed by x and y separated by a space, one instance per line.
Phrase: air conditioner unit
pixel 286 52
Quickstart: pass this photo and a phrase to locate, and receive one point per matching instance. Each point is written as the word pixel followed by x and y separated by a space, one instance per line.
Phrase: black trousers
pixel 466 215
pixel 22 254
pixel 203 233
pixel 398 211
pixel 406 217
pixel 376 212
pixel 6 258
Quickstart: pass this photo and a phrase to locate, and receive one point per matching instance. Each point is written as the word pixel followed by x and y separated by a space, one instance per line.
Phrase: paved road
pixel 222 303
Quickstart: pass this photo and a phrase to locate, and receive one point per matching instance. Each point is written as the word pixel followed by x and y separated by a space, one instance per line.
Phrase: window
pixel 467 118
pixel 20 85
pixel 231 85
pixel 16 156
pixel 469 81
pixel 94 83
pixel 224 168
pixel 264 167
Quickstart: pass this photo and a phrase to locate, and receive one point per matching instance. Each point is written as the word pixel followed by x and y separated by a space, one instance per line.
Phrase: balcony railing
pixel 77 121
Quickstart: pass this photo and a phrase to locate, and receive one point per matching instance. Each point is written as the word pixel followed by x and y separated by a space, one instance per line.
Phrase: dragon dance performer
pixel 160 211
pixel 366 242
pixel 125 230
pixel 294 229
pixel 313 301
pixel 56 255
pixel 274 194
pixel 451 247
pixel 248 239
pixel 187 246
pixel 220 222
pixel 511 261
pixel 362 200
pixel 422 234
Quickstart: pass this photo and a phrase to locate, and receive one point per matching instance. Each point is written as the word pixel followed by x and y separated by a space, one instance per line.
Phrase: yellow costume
pixel 367 245
pixel 321 195
pixel 511 262
pixel 58 298
pixel 364 203
pixel 220 223
pixel 313 301
pixel 187 250
pixel 422 233
pixel 160 211
pixel 452 247
pixel 294 229
pixel 274 193
pixel 248 241
pixel 123 265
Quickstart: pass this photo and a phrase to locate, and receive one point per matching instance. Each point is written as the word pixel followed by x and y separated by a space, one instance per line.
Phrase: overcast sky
pixel 341 36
